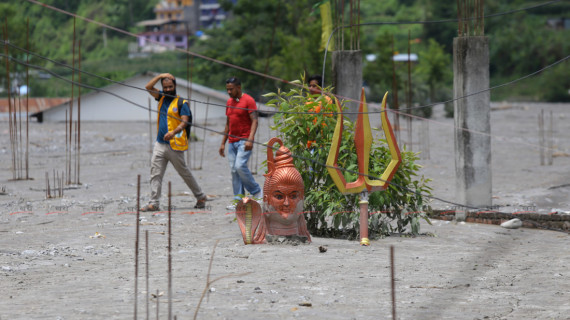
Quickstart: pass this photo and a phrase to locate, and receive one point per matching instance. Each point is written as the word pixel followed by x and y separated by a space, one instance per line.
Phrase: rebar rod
pixel 71 102
pixel 149 132
pixel 27 100
pixel 137 245
pixel 169 250
pixel 147 273
pixel 78 149
pixel 409 118
pixel 393 282
pixel 5 27
pixel 550 139
pixel 541 135
pixel 204 130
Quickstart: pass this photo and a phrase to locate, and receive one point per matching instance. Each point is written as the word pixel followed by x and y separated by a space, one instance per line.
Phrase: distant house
pixel 177 19
pixel 32 105
pixel 129 101
pixel 212 14
pixel 404 57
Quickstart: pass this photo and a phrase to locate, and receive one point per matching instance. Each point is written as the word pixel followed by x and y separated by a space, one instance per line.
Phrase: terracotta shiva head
pixel 283 189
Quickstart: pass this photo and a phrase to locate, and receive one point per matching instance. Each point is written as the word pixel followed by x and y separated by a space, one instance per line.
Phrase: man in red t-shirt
pixel 241 125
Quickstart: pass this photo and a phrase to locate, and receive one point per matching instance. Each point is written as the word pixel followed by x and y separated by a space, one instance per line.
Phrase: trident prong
pixel 363 142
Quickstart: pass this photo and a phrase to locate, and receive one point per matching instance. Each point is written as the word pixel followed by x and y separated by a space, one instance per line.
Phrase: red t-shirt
pixel 240 123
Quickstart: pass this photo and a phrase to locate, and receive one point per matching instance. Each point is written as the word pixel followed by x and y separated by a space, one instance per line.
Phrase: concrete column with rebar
pixel 347 78
pixel 472 121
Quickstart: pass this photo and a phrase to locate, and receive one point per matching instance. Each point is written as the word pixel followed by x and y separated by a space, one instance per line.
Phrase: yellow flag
pixel 326 20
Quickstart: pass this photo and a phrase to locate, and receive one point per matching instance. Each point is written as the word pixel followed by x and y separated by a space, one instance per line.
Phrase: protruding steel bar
pixel 20 145
pixel 550 139
pixel 149 133
pixel 393 282
pixel 169 250
pixel 47 185
pixel 541 135
pixel 409 117
pixel 147 273
pixel 194 155
pixel 71 103
pixel 204 135
pixel 5 29
pixel 157 304
pixel 137 245
pixel 27 100
pixel 67 145
pixel 395 95
pixel 78 149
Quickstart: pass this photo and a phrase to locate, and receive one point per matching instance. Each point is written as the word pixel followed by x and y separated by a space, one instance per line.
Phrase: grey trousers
pixel 161 155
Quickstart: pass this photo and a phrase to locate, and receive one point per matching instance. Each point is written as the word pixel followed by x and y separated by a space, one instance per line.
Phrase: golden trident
pixel 363 143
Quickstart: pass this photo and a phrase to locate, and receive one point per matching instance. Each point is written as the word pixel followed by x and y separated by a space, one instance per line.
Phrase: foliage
pixel 329 212
pixel 377 74
pixel 269 37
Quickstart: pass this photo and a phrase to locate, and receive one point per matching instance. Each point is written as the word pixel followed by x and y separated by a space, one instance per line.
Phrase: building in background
pixel 175 21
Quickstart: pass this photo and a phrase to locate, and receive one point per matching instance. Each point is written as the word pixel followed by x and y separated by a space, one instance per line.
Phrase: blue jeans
pixel 241 176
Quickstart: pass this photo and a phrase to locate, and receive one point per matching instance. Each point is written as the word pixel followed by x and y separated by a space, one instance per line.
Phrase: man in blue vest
pixel 171 140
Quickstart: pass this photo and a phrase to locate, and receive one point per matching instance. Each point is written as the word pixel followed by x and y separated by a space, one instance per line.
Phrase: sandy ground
pixel 74 257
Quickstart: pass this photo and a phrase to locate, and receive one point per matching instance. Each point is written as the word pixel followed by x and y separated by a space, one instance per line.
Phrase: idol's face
pixel 285 199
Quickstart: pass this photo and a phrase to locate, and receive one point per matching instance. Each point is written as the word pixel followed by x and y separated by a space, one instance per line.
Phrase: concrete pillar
pixel 347 77
pixel 472 150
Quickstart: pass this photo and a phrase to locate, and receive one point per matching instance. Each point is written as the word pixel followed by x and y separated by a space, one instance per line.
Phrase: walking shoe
pixel 258 196
pixel 149 207
pixel 201 203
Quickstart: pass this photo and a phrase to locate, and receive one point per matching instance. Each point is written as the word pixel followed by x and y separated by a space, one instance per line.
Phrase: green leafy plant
pixel 328 212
